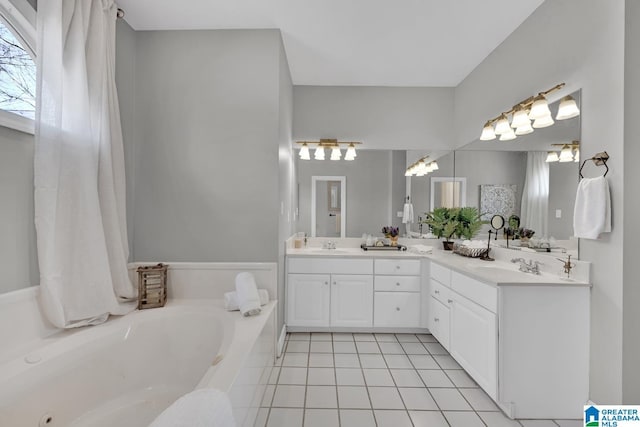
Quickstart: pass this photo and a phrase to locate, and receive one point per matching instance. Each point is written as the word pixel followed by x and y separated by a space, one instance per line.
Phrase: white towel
pixel 407 214
pixel 231 299
pixel 421 249
pixel 247 293
pixel 201 408
pixel 592 212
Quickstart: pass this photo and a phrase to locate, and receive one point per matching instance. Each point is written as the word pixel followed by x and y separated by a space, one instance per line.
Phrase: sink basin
pixel 495 267
pixel 330 251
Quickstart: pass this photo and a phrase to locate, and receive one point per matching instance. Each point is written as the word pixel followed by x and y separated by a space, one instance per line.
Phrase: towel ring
pixel 599 159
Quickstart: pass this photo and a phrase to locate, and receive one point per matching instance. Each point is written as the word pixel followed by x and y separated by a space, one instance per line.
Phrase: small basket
pixel 152 286
pixel 467 251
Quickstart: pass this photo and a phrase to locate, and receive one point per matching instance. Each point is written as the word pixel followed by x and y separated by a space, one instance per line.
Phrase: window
pixel 17 76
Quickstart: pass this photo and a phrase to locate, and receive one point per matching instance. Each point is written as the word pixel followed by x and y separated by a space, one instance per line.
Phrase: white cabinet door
pixel 397 309
pixel 473 342
pixel 308 297
pixel 439 321
pixel 351 300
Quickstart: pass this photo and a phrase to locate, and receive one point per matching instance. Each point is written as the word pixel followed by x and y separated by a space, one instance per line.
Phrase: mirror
pixel 497 222
pixel 503 176
pixel 328 203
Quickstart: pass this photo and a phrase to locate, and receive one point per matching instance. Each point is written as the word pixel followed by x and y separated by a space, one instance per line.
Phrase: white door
pixel 351 300
pixel 473 340
pixel 439 321
pixel 308 297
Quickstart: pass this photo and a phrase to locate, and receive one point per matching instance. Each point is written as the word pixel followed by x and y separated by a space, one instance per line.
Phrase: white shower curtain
pixel 79 166
pixel 535 195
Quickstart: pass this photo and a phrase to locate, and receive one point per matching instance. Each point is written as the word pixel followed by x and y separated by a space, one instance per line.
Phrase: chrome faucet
pixel 528 267
pixel 329 244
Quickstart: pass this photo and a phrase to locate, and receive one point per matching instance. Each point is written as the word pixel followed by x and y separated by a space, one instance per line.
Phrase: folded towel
pixel 231 299
pixel 421 249
pixel 407 214
pixel 201 408
pixel 592 211
pixel 247 293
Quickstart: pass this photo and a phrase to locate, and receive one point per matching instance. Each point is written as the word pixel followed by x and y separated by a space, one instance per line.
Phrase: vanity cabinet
pixel 397 293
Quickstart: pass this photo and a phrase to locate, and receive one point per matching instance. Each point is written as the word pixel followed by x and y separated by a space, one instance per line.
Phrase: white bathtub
pixel 126 371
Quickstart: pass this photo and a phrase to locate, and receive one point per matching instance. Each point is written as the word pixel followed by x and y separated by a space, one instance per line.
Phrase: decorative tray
pixel 467 251
pixel 383 248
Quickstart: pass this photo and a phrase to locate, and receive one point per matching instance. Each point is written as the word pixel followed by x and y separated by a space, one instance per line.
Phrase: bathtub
pixel 127 370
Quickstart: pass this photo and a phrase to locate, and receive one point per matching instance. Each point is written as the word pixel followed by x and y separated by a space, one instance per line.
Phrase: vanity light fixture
pixel 332 144
pixel 534 108
pixel 552 156
pixel 569 152
pixel 422 167
pixel 566 155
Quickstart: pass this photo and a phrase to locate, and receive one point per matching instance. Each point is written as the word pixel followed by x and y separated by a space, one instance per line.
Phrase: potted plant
pixel 469 222
pixel 443 223
pixel 391 233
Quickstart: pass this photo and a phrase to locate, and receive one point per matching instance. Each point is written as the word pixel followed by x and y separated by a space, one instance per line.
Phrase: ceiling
pixel 356 42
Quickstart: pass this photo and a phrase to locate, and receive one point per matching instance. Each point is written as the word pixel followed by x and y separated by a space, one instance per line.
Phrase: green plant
pixel 442 221
pixel 469 222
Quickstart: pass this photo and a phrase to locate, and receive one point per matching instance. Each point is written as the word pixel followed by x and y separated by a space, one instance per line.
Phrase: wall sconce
pixel 569 152
pixel 332 144
pixel 534 108
pixel 422 167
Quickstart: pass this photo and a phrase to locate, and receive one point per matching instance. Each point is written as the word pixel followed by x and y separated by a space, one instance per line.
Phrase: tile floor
pixel 362 380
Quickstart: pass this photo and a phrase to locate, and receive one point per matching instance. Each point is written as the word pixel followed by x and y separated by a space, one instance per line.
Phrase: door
pixel 439 321
pixel 351 300
pixel 308 297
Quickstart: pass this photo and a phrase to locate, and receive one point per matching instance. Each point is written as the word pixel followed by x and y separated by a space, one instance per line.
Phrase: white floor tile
pixel 293 376
pixel 295 359
pixel 321 360
pixel 391 348
pixel 283 417
pixel 321 336
pixel 273 378
pixel 321 396
pixel 421 361
pixel 418 399
pixel 367 347
pixel 387 418
pixel 460 378
pixel 478 399
pixel 538 423
pixel 498 419
pixel 339 336
pixel 406 378
pixel 364 337
pixel 349 376
pixel 321 376
pixel 386 338
pixel 297 347
pixel 289 396
pixel 398 361
pixel 321 347
pixel 426 338
pixel 385 398
pixel 321 418
pixel 261 418
pixel 569 423
pixel 372 361
pixel 414 348
pixel 407 338
pixel 250 419
pixel 268 396
pixel 435 378
pixel 378 377
pixel 356 418
pixel 435 348
pixel 353 397
pixel 447 362
pixel 449 399
pixel 299 336
pixel 344 347
pixel 428 419
pixel 347 360
pixel 463 419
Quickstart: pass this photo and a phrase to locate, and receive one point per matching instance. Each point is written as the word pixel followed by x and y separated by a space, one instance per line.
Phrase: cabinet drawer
pixel 478 292
pixel 307 265
pixel 440 292
pixel 397 283
pixel 401 309
pixel 441 274
pixel 406 267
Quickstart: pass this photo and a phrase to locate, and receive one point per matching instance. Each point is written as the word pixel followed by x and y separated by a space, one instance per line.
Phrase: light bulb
pixel 434 166
pixel 566 155
pixel 552 156
pixel 304 152
pixel 508 136
pixel 351 153
pixel 543 122
pixel 568 108
pixel 520 119
pixel 319 153
pixel 487 133
pixel 539 108
pixel 335 153
pixel 407 173
pixel 576 155
pixel 523 130
pixel 430 168
pixel 502 126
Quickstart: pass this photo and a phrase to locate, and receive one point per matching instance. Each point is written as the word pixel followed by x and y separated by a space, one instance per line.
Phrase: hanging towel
pixel 206 407
pixel 247 292
pixel 407 214
pixel 592 212
pixel 231 299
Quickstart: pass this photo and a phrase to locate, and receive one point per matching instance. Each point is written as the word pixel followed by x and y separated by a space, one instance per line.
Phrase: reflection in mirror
pixel 448 192
pixel 328 202
pixel 543 192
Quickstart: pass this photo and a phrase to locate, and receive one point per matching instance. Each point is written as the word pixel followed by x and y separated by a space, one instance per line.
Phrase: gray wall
pixel 590 57
pixel 380 117
pixel 563 183
pixel 369 187
pixel 18 257
pixel 206 144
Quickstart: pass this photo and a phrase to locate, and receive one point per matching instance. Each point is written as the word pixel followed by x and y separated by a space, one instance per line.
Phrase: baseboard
pixel 283 334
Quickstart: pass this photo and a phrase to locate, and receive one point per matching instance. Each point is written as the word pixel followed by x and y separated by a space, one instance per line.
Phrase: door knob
pixel 397 308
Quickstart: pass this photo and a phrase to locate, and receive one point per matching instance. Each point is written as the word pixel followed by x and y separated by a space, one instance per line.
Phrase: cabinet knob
pixel 397 267
pixel 397 283
pixel 397 308
pixel 449 301
pixel 334 283
pixel 435 319
pixel 326 283
pixel 437 292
